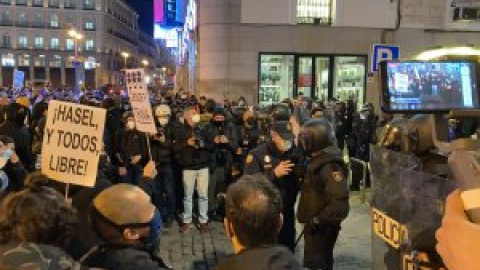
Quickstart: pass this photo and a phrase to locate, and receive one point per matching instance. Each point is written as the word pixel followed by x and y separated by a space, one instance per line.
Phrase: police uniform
pixel 264 159
pixel 324 197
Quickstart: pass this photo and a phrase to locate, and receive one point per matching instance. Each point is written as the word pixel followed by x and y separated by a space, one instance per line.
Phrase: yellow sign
pixel 388 229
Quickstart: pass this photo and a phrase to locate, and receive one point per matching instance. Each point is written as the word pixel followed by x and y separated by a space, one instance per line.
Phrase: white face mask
pixel 196 118
pixel 131 125
pixel 162 120
pixel 287 145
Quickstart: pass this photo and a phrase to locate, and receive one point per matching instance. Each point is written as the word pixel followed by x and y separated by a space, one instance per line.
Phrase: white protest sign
pixel 140 100
pixel 72 143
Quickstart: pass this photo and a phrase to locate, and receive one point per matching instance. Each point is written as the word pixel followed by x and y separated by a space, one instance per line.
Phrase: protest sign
pixel 72 143
pixel 18 79
pixel 140 100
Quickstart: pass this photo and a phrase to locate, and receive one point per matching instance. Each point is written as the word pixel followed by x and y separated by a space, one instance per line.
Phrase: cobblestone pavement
pixel 196 251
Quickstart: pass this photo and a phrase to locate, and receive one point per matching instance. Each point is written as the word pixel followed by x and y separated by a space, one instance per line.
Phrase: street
pixel 194 251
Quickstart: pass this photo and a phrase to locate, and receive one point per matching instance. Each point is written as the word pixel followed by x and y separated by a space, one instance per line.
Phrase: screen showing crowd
pixel 432 85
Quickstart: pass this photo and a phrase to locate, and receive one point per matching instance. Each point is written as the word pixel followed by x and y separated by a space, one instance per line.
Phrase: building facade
pixel 274 49
pixel 34 38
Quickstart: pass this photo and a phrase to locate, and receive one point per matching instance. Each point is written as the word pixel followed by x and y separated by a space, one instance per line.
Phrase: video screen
pixel 431 86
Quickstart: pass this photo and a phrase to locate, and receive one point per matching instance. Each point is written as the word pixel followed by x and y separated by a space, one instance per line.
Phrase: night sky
pixel 145 10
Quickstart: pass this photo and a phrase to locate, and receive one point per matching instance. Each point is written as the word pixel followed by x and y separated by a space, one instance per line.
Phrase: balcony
pixel 89 7
pixel 89 49
pixel 5 45
pixel 6 23
pixel 89 29
pixel 5 2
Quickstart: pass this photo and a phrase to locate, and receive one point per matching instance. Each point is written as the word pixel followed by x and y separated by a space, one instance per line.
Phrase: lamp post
pixel 125 56
pixel 76 62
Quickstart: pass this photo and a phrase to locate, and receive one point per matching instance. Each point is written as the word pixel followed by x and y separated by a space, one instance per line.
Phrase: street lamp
pixel 145 62
pixel 76 37
pixel 125 56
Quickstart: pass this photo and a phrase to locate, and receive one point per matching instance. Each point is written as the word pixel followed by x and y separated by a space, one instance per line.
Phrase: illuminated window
pixel 90 45
pixel 70 44
pixel 54 43
pixel 54 21
pixel 314 11
pixel 38 42
pixel 22 42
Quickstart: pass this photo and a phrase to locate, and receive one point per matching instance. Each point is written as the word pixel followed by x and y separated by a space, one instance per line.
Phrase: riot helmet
pixel 316 135
pixel 413 135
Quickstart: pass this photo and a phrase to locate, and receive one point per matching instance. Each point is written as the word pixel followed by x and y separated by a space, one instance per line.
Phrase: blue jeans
pixel 134 174
pixel 195 179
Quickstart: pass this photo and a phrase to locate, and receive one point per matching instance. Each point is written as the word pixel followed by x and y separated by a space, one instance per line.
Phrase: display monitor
pixel 418 86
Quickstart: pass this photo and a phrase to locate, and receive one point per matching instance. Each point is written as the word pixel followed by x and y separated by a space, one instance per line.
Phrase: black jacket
pixel 193 158
pixel 162 152
pixel 223 153
pixel 264 258
pixel 129 143
pixel 324 195
pixel 265 158
pixel 113 257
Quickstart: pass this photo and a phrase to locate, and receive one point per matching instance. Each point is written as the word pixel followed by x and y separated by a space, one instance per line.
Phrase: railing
pixel 6 23
pixel 5 45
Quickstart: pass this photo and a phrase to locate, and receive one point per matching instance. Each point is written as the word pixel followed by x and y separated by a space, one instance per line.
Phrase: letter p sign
pixel 383 52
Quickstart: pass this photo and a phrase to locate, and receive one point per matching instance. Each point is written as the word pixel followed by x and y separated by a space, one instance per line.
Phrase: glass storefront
pixel 349 78
pixel 322 77
pixel 276 78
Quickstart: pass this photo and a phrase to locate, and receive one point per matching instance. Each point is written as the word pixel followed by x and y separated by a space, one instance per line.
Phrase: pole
pixel 66 191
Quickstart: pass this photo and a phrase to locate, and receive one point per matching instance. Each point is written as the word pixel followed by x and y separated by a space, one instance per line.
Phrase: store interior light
pixel 459 51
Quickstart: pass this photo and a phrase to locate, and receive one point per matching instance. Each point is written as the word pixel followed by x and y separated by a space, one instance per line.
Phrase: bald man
pixel 129 223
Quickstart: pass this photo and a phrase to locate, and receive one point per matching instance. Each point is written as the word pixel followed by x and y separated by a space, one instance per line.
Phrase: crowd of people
pixel 244 166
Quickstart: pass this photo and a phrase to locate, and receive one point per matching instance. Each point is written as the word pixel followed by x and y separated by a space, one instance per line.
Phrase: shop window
pixel 56 61
pixel 276 78
pixel 314 12
pixel 24 60
pixel 39 61
pixel 349 81
pixel 8 60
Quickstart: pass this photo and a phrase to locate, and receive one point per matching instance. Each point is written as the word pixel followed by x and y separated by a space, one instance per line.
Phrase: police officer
pixel 249 132
pixel 276 159
pixel 324 196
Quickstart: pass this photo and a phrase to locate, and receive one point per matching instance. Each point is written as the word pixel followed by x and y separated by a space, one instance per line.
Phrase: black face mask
pixel 251 121
pixel 219 123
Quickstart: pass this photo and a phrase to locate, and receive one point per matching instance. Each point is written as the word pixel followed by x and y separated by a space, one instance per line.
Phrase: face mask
pixel 131 125
pixel 219 123
pixel 287 145
pixel 163 121
pixel 196 118
pixel 3 181
pixel 181 119
pixel 155 228
pixel 7 153
pixel 251 121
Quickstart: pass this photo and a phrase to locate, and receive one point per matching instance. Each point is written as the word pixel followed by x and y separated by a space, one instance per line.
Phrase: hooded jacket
pixel 263 258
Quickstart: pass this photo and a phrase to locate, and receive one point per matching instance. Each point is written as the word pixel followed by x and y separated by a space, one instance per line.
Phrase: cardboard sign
pixel 388 229
pixel 140 100
pixel 18 79
pixel 72 143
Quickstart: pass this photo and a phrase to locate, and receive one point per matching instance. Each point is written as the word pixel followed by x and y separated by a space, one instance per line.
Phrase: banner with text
pixel 72 143
pixel 140 100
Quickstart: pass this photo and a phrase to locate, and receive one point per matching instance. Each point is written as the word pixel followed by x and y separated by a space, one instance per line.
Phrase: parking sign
pixel 382 52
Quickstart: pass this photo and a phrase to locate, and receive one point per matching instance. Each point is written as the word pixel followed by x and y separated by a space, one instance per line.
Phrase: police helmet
pixel 408 135
pixel 280 112
pixel 316 135
pixel 163 110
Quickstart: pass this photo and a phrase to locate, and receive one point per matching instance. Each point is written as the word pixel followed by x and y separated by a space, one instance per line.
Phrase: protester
pixel 131 151
pixel 253 220
pixel 35 224
pixel 193 149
